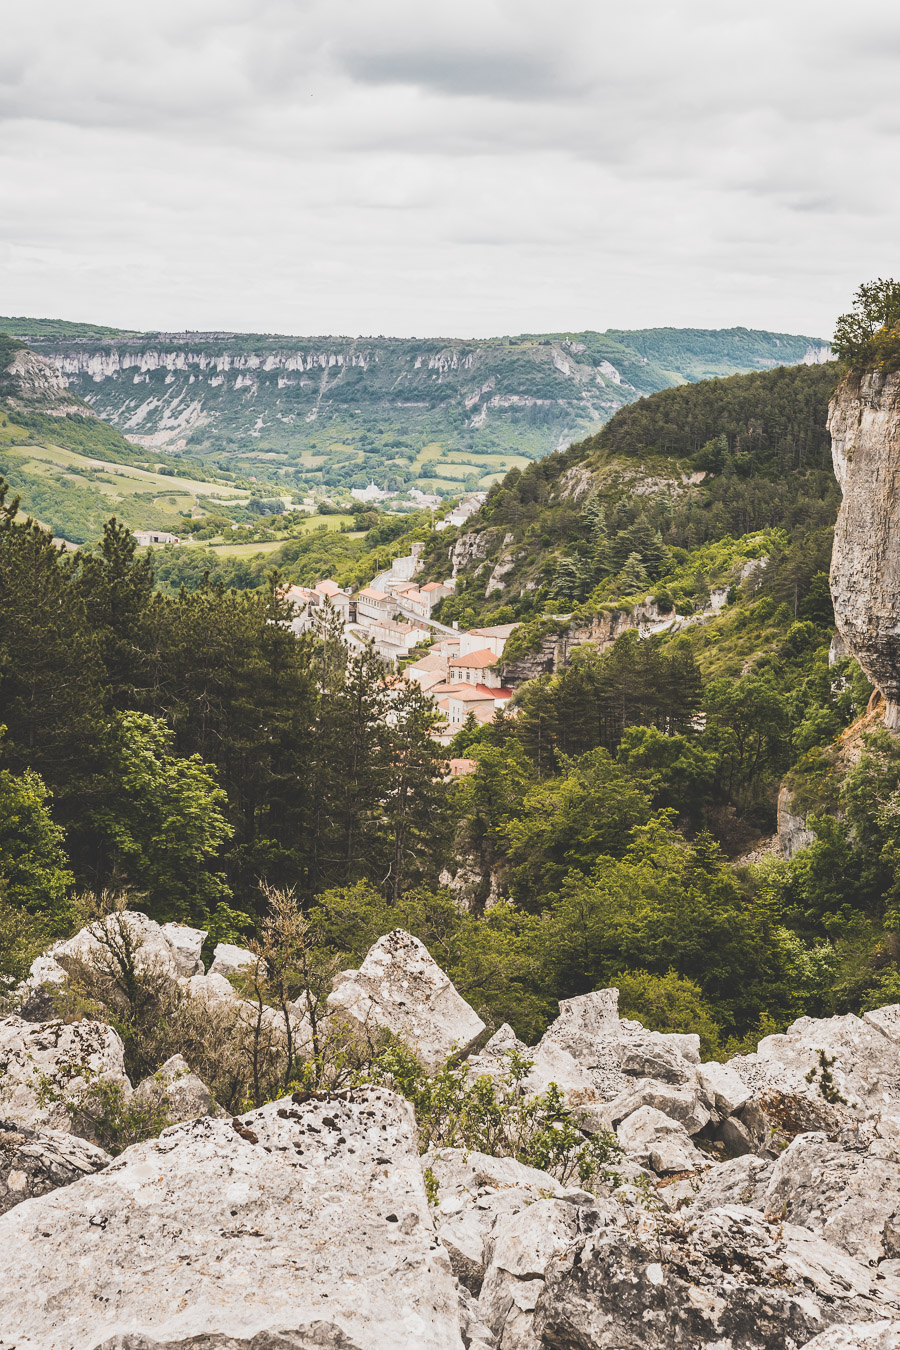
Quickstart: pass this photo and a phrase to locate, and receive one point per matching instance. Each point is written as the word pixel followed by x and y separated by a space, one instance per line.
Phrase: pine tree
pixel 633 576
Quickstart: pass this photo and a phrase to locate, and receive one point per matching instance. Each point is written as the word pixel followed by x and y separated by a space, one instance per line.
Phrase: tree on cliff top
pixel 876 311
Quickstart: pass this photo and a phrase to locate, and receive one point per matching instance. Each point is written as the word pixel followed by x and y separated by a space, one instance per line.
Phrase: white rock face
pixel 230 960
pixel 33 1162
pixel 475 1190
pixel 724 1088
pixel 399 987
pixel 177 1091
pixel 170 950
pixel 851 1195
pixel 185 944
pixel 864 421
pixel 862 1062
pixel 310 1221
pixel 859 1336
pixel 651 1138
pixel 45 1066
pixel 723 1279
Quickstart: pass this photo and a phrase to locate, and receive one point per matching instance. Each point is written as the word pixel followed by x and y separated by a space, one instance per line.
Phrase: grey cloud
pixel 486 163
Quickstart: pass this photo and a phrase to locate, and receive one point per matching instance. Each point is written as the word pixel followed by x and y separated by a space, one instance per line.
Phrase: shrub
pixel 496 1115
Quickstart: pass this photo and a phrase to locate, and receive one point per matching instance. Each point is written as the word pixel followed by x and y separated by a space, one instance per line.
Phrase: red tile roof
pixel 476 660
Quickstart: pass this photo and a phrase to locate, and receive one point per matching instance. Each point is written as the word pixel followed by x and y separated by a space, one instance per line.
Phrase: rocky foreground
pixel 754 1204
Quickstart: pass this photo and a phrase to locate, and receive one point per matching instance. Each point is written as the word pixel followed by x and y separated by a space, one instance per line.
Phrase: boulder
pixel 185 944
pixel 679 1104
pixel 166 951
pixel 848 1194
pixel 33 1162
pixel 231 960
pixel 724 1278
pixel 724 1089
pixel 46 1068
pixel 176 1092
pixel 886 1020
pixel 740 1181
pixel 843 1063
pixel 859 1336
pixel 144 938
pixel 299 1224
pixel 550 1064
pixel 611 1052
pixel 473 1190
pixel 518 1252
pixel 400 988
pixel 649 1137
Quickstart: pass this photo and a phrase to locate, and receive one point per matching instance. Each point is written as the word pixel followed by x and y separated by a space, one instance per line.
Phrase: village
pixel 461 670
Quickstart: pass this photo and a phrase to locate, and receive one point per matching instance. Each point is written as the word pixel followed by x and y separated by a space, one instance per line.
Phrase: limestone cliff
pixel 864 421
pixel 36 385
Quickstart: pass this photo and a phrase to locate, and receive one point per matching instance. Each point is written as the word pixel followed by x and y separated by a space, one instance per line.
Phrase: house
pixel 372 604
pixel 328 592
pixel 460 767
pixel 477 698
pixel 147 537
pixel 476 667
pixel 494 639
pixel 399 637
pixel 427 671
pixel 461 513
pixel 421 601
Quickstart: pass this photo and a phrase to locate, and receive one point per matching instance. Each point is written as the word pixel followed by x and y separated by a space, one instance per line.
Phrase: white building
pixel 476 668
pixel 372 604
pixel 147 537
pixel 492 639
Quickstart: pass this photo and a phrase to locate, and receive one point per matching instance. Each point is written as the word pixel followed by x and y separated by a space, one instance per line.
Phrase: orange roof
pixel 433 661
pixel 476 693
pixel 327 587
pixel 477 660
pixel 371 594
pixel 460 766
pixel 432 585
pixel 501 630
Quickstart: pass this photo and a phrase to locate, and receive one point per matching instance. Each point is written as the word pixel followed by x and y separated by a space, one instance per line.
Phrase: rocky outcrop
pixel 38 386
pixel 307 1222
pixel 753 1205
pixel 728 1278
pixel 33 1162
pixel 793 832
pixel 864 421
pixel 46 1068
pixel 166 952
pixel 399 988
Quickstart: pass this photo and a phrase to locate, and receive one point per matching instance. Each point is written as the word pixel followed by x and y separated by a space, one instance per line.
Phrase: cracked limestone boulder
pixel 167 951
pixel 303 1223
pixel 401 989
pixel 845 1066
pixel 175 1092
pixel 851 1195
pixel 48 1068
pixel 231 960
pixel 519 1250
pixel 612 1051
pixel 473 1191
pixel 33 1162
pixel 725 1278
pixel 185 945
pixel 860 1336
pixel 653 1139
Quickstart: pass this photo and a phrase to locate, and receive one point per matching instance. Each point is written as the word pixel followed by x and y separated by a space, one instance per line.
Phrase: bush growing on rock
pixel 497 1115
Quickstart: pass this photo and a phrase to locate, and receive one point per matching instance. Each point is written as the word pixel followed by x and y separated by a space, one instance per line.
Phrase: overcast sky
pixel 468 168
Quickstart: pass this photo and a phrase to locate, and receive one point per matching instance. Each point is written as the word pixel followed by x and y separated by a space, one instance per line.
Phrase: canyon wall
pixel 864 421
